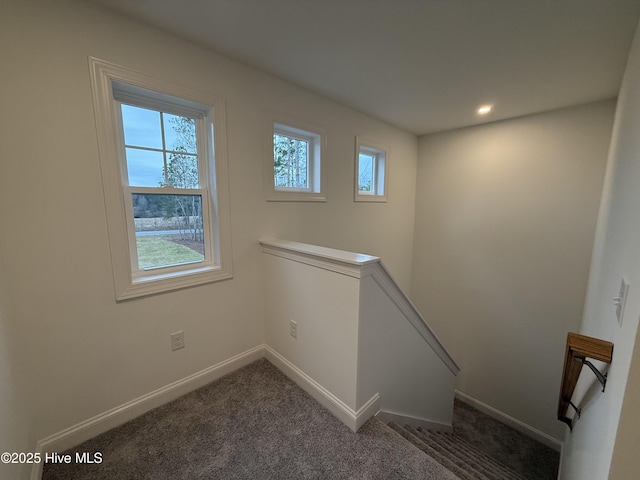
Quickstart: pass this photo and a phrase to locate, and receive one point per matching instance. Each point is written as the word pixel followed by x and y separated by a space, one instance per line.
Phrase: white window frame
pixel 380 156
pixel 316 138
pixel 113 84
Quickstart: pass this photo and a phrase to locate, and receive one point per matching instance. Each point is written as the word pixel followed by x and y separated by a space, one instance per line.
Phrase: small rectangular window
pixel 294 163
pixel 291 159
pixel 371 172
pixel 366 173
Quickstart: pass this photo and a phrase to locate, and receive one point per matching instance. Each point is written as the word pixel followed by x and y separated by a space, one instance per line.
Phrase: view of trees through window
pixel 366 178
pixel 162 153
pixel 291 162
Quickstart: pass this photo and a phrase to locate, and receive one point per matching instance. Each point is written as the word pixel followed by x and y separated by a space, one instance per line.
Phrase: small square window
pixel 371 172
pixel 293 163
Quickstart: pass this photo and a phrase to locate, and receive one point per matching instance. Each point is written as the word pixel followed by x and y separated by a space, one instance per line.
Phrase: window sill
pixel 282 196
pixel 370 198
pixel 154 284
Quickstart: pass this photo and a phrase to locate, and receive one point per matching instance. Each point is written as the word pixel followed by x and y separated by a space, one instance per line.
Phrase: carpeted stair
pixel 456 454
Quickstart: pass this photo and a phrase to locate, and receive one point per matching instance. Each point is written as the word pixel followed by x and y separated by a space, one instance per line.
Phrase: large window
pixel 293 163
pixel 166 183
pixel 164 179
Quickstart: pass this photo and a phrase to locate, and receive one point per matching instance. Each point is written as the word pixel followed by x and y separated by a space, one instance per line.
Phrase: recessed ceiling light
pixel 484 109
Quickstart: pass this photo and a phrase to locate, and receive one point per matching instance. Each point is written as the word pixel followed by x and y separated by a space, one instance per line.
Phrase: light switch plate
pixel 621 300
pixel 293 328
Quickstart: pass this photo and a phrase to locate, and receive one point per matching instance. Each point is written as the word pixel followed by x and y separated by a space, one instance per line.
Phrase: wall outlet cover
pixel 177 340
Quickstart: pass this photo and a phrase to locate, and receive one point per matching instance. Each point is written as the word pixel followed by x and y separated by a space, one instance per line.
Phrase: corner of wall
pixel 593 448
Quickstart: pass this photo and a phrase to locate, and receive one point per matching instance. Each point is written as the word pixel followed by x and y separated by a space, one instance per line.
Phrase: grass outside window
pixel 155 250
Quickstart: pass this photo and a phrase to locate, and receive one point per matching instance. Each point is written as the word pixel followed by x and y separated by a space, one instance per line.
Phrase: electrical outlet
pixel 177 340
pixel 293 328
pixel 620 301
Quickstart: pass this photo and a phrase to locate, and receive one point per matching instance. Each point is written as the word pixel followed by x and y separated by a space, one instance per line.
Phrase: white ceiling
pixel 423 65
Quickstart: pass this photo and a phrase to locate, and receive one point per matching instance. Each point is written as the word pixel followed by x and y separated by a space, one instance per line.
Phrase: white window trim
pixel 127 283
pixel 317 139
pixel 381 171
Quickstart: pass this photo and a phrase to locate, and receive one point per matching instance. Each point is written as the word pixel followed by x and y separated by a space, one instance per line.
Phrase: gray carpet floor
pixel 510 447
pixel 251 424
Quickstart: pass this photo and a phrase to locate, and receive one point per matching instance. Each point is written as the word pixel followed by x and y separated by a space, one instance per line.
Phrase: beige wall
pixel 503 225
pixel 505 217
pixel 626 462
pixel 82 352
pixel 325 306
pixel 16 428
pixel 396 361
pixel 606 427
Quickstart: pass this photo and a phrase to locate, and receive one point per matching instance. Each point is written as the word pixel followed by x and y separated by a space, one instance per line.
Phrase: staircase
pixel 456 454
pixel 354 309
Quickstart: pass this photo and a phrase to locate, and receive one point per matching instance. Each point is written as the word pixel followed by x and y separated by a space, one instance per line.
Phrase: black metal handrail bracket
pixel 602 377
pixel 579 349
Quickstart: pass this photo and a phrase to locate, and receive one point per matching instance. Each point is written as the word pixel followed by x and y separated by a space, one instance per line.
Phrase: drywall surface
pixel 82 352
pixel 505 218
pixel 15 425
pixel 396 362
pixel 616 254
pixel 341 320
pixel 625 462
pixel 325 307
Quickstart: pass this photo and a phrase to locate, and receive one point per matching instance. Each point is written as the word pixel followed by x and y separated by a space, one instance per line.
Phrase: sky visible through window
pixel 161 150
pixel 143 136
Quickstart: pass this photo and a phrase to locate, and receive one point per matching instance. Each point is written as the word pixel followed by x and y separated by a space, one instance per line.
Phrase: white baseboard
pixel 103 422
pixel 350 417
pixel 415 422
pixel 83 431
pixel 528 430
